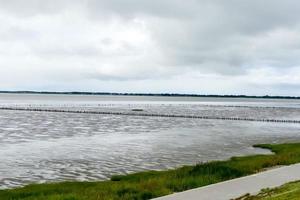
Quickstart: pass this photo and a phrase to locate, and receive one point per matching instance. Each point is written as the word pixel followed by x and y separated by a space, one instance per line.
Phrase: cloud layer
pixel 196 46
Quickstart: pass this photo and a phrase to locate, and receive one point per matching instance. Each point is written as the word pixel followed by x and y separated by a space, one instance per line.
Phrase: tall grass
pixel 150 184
pixel 290 191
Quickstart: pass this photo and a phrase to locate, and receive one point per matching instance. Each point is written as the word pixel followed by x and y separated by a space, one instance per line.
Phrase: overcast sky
pixel 194 46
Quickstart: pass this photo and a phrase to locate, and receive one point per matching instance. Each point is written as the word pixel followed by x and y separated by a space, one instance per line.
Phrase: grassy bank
pixel 147 185
pixel 290 191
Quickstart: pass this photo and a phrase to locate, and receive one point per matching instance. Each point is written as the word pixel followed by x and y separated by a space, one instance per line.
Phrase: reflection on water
pixel 39 147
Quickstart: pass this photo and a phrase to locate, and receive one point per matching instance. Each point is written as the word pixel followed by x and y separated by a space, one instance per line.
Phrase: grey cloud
pixel 31 8
pixel 223 30
pixel 133 8
pixel 227 38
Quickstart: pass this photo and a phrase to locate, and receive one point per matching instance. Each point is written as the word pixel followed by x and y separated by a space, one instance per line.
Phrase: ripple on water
pixel 39 147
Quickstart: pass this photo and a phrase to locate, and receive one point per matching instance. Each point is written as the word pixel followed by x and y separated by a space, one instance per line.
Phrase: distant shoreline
pixel 150 94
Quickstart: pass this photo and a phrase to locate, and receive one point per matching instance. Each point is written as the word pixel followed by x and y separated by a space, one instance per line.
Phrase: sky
pixel 249 47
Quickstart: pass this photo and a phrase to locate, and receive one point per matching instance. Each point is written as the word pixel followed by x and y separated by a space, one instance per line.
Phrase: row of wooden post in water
pixel 149 114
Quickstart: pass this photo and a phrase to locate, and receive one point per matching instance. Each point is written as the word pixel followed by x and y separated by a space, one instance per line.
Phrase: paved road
pixel 240 186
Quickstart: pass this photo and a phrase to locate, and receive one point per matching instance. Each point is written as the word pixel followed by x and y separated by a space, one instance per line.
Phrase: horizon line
pixel 148 94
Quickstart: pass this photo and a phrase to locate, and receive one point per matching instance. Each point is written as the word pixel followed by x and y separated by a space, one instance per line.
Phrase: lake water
pixel 44 147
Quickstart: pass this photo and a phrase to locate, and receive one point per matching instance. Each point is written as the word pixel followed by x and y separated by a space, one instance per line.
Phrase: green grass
pixel 147 185
pixel 290 191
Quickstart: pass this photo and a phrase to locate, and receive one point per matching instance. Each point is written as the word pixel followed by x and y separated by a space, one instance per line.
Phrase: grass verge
pixel 290 191
pixel 150 184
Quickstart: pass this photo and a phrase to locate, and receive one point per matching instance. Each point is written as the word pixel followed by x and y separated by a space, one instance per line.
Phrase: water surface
pixel 40 146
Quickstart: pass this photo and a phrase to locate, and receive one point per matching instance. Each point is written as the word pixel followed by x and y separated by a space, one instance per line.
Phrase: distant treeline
pixel 151 94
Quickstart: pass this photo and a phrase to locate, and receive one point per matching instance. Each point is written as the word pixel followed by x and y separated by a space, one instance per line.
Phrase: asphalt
pixel 237 187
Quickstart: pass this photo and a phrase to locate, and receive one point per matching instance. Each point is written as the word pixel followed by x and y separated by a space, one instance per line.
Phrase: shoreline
pixel 152 184
pixel 152 94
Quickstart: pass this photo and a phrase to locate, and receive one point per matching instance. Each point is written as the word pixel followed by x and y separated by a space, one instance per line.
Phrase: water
pixel 44 147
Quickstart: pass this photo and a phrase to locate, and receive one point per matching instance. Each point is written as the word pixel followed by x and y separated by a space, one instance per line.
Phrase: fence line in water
pixel 151 115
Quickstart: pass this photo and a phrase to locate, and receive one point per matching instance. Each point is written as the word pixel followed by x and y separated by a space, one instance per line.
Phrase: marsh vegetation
pixel 150 184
